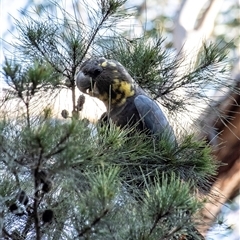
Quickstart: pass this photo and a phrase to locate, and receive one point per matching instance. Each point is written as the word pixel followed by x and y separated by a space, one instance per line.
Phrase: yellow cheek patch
pixel 116 84
pixel 126 88
pixel 118 99
pixel 123 90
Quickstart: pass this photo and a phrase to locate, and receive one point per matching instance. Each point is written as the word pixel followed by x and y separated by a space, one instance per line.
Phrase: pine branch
pixel 158 219
pixel 150 194
pixel 93 223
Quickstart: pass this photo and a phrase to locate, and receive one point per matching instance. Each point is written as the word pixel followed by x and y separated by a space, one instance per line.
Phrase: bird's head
pixel 105 79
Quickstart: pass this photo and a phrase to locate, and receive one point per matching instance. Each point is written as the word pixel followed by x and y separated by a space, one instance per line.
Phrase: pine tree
pixel 70 179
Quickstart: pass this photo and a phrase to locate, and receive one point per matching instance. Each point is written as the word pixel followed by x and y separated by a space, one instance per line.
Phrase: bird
pixel 127 104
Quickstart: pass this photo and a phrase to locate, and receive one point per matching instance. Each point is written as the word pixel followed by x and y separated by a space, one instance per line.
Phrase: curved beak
pixel 84 82
pixel 86 85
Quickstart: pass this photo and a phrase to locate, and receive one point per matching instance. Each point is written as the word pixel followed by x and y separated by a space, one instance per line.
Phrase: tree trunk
pixel 194 25
pixel 223 133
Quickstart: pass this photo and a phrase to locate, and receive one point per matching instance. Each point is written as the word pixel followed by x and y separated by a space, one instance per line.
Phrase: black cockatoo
pixel 127 104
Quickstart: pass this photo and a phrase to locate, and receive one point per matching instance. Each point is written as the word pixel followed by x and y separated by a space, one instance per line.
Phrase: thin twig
pixel 94 222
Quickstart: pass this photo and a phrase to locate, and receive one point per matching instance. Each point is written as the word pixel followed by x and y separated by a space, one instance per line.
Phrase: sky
pixel 7 12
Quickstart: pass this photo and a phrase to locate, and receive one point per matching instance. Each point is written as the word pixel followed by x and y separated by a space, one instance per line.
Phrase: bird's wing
pixel 153 117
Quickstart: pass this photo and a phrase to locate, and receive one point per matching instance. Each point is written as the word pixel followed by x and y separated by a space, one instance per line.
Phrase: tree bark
pixel 226 149
pixel 192 27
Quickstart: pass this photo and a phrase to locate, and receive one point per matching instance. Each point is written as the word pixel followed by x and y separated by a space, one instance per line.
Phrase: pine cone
pixel 65 113
pixel 80 102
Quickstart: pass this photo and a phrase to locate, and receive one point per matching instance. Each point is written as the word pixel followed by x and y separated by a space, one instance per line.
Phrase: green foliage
pixel 57 38
pixel 100 179
pixel 163 74
pixel 142 56
pixel 29 79
pixel 100 182
pixel 170 203
pixel 228 22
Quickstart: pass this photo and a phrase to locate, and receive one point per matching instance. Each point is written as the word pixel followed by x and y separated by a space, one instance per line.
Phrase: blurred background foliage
pixel 153 16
